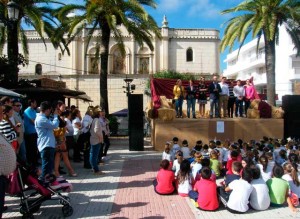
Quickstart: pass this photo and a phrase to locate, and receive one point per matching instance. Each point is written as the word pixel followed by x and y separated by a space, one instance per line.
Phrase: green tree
pixel 262 18
pixel 34 13
pixel 107 15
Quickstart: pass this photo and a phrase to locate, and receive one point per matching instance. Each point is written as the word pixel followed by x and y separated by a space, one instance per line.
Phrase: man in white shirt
pixel 239 93
pixel 224 95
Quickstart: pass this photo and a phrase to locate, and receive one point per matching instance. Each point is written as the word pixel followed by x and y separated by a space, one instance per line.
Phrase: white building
pixel 182 50
pixel 250 63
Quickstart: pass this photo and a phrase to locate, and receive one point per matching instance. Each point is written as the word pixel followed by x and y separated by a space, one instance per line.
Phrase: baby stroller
pixel 33 193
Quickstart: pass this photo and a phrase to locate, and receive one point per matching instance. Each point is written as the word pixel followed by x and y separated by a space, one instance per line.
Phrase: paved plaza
pixel 126 191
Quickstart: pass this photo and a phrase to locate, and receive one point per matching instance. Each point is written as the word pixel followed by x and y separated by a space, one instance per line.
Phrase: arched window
pixel 189 55
pixel 38 69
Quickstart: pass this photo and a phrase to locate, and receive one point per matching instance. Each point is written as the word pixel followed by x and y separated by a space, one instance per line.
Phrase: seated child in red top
pixel 164 184
pixel 205 191
pixel 233 157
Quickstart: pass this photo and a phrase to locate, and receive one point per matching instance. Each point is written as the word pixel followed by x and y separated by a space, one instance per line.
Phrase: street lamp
pixel 13 11
pixel 129 87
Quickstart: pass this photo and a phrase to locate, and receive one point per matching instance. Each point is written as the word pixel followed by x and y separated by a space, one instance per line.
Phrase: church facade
pixel 193 51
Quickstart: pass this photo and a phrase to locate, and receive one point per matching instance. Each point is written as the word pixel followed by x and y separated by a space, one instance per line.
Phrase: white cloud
pixel 170 5
pixel 205 9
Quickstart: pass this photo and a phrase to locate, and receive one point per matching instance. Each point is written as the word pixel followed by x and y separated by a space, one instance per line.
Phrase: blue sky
pixel 190 14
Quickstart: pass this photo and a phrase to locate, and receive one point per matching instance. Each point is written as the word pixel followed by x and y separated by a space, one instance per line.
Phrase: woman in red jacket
pixel 164 184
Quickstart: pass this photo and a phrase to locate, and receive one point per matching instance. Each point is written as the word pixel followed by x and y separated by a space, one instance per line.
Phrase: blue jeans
pixel 94 153
pixel 178 106
pixel 238 107
pixel 191 104
pixel 47 156
pixel 214 105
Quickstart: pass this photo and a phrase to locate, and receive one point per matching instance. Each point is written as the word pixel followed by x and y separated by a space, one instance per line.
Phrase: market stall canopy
pixel 6 92
pixel 121 113
pixel 83 97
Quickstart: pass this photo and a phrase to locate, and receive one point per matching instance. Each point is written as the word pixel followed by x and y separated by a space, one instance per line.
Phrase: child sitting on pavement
pixel 196 165
pixel 185 149
pixel 184 179
pixel 205 192
pixel 166 154
pixel 164 184
pixel 177 162
pixel 175 148
pixel 215 164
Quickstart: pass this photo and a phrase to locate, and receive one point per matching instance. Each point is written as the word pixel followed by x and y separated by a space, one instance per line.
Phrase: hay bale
pixel 149 105
pixel 166 114
pixel 277 113
pixel 164 102
pixel 254 104
pixel 253 114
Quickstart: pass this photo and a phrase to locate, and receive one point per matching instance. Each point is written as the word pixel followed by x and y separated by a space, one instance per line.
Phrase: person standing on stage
pixel 191 99
pixel 249 94
pixel 178 92
pixel 202 99
pixel 224 95
pixel 239 93
pixel 214 94
pixel 231 100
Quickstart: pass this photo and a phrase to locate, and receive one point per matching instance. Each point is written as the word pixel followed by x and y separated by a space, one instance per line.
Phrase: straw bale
pixel 166 114
pixel 277 113
pixel 253 114
pixel 254 104
pixel 164 102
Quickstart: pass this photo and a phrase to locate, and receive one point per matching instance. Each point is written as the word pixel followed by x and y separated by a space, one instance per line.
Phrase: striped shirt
pixel 8 131
pixel 231 94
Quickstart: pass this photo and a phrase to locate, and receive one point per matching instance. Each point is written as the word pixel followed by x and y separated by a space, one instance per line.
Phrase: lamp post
pixel 12 42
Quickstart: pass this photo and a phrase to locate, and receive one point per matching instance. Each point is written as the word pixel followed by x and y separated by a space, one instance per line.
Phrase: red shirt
pixel 207 198
pixel 229 165
pixel 165 179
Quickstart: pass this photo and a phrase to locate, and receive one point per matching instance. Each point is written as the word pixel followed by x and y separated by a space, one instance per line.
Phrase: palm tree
pixel 34 13
pixel 262 18
pixel 108 15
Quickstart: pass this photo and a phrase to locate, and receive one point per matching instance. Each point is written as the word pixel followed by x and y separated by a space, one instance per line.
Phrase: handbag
pixel 13 186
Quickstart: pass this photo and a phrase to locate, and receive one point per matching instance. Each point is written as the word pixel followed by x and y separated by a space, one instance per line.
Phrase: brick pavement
pixel 126 191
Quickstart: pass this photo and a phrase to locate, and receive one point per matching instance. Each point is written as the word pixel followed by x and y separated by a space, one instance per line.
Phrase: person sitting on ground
pixel 282 157
pixel 291 175
pixel 233 157
pixel 166 154
pixel 184 179
pixel 240 193
pixel 279 189
pixel 259 198
pixel 205 162
pixel 205 192
pixel 215 164
pixel 165 179
pixel 177 162
pixel 205 151
pixel 265 168
pixel 185 149
pixel 196 165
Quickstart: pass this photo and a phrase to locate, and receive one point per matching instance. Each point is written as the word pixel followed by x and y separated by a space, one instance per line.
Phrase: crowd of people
pixel 226 100
pixel 240 175
pixel 44 136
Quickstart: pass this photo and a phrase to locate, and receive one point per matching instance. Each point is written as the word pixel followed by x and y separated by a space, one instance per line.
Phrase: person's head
pixel 102 112
pixel 191 82
pixel 66 114
pixel 198 157
pixel 212 144
pixel 234 154
pixel 238 82
pixel 292 170
pixel 263 160
pixel 237 167
pixel 89 111
pixel 223 79
pixel 247 162
pixel 255 172
pixel 276 144
pixel 17 106
pixel 32 103
pixel 215 78
pixel 205 147
pixel 293 158
pixel 282 154
pixel 218 143
pixel 248 82
pixel 167 147
pixel 96 112
pixel 179 82
pixel 75 113
pixel 205 162
pixel 175 140
pixel 165 164
pixel 247 174
pixel 179 156
pixel 199 142
pixel 202 80
pixel 72 108
pixel 185 143
pixel 269 155
pixel 205 173
pixel 277 171
pixel 61 106
pixel 184 171
pixel 7 111
pixel 46 108
pixel 6 101
pixel 214 154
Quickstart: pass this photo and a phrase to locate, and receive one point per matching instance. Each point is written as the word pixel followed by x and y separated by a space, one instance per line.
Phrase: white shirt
pixel 166 156
pixel 225 154
pixel 238 91
pixel 186 152
pixel 186 186
pixel 195 167
pixel 76 130
pixel 238 199
pixel 176 167
pixel 225 89
pixel 69 126
pixel 259 198
pixel 295 189
pixel 265 175
pixel 86 123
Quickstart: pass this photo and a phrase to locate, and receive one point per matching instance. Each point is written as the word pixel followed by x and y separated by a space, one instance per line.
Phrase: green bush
pixel 113 124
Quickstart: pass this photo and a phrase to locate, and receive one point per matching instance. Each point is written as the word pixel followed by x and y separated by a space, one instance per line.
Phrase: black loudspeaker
pixel 291 107
pixel 136 122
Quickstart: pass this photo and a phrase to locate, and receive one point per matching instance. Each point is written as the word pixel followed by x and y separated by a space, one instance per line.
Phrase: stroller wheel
pixel 63 202
pixel 67 210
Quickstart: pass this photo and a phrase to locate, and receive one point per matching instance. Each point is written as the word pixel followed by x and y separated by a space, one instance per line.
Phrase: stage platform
pixel 209 129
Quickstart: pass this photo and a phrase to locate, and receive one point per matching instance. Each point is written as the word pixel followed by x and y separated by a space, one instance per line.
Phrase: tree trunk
pixel 270 56
pixel 11 77
pixel 104 66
